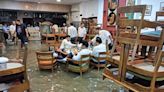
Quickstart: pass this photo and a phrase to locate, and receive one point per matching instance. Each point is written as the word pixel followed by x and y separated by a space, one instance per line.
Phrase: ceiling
pixel 66 2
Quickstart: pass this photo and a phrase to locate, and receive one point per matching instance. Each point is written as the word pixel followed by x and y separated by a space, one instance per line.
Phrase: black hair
pixel 71 24
pixel 67 36
pixel 18 20
pixel 98 39
pixel 85 43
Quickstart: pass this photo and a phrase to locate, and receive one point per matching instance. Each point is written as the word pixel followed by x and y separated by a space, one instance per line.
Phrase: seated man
pixel 84 51
pixel 105 36
pixel 100 47
pixel 63 51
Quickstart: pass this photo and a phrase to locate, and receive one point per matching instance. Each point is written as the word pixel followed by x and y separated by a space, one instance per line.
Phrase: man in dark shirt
pixel 21 32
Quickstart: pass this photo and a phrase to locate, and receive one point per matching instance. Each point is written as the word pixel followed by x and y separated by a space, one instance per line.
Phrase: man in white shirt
pixel 66 44
pixel 13 30
pixel 100 47
pixel 105 36
pixel 72 32
pixel 81 33
pixel 84 51
pixel 55 28
pixel 65 28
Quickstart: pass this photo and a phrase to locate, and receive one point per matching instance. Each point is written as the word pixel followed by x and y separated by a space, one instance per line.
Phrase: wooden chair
pixel 46 60
pixel 97 60
pixel 79 66
pixel 126 35
pixel 148 71
pixel 128 31
pixel 159 14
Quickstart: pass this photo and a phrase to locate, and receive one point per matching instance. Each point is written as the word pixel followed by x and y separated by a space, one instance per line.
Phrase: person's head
pixel 71 24
pixel 64 24
pixel 82 25
pixel 98 40
pixel 67 37
pixel 84 44
pixel 98 27
pixel 18 22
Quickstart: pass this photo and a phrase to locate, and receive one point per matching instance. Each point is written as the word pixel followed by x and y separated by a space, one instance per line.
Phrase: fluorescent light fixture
pixel 58 0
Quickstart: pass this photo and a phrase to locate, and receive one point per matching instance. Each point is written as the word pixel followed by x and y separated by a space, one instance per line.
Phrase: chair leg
pixel 98 69
pixel 80 73
pixel 134 52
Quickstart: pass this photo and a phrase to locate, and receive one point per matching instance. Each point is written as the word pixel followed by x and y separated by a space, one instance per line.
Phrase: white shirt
pixel 82 52
pixel 105 36
pixel 72 31
pixel 66 44
pixel 97 49
pixel 55 27
pixel 65 29
pixel 12 27
pixel 82 32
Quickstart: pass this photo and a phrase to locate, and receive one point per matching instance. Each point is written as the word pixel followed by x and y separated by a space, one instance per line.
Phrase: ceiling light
pixel 58 0
pixel 38 2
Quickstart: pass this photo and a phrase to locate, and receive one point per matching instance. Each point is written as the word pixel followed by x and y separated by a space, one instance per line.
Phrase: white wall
pixel 91 8
pixel 100 11
pixel 155 7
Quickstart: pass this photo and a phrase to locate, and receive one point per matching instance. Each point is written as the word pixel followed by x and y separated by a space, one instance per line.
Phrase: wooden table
pixel 12 68
pixel 59 35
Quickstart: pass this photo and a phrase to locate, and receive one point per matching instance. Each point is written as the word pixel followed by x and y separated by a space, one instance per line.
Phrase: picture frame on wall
pixel 148 10
pixel 161 6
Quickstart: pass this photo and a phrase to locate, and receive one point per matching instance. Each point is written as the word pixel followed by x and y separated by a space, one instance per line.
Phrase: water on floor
pixel 61 80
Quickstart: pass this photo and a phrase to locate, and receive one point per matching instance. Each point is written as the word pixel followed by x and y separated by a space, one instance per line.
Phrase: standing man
pixel 72 32
pixel 5 31
pixel 65 28
pixel 13 31
pixel 21 32
pixel 81 33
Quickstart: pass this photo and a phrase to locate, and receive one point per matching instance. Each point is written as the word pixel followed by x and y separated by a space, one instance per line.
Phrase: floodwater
pixel 61 80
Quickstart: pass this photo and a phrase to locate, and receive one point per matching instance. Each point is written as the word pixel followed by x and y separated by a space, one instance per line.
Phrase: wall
pixel 86 9
pixel 89 8
pixel 155 7
pixel 4 4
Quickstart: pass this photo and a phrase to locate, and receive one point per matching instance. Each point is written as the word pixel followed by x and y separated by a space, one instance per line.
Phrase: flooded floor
pixel 61 80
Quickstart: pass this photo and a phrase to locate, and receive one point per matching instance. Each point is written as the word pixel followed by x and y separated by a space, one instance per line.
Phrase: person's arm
pixel 69 43
pixel 78 31
pixel 93 40
pixel 85 32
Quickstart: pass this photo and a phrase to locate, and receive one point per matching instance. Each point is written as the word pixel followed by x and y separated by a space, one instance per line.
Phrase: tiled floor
pixel 61 80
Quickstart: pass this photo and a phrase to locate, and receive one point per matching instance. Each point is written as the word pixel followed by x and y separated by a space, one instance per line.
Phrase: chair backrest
pixel 134 25
pixel 52 40
pixel 128 27
pixel 45 56
pixel 83 60
pixel 102 56
pixel 159 14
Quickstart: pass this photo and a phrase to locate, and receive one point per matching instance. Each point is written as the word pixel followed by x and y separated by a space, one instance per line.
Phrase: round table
pixel 12 68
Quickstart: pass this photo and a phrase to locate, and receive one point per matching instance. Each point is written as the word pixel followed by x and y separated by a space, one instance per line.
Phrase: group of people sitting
pixel 99 44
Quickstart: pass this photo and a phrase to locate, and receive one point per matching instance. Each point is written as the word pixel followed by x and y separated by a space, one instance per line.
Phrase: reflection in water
pixel 61 80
